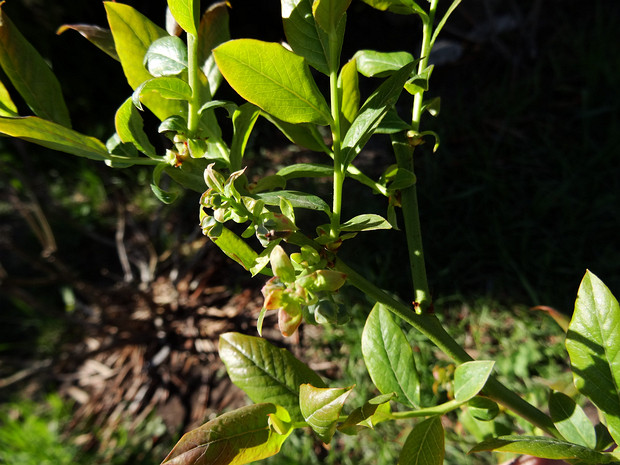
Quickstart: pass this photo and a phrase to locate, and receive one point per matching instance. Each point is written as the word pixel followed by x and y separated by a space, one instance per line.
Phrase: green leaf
pixel 234 438
pixel 165 87
pixel 392 123
pixel 7 107
pixel 402 7
pixel 306 170
pixel 133 34
pixel 190 174
pixel 375 411
pixel 571 421
pixel 372 112
pixel 543 447
pixel 273 78
pixel 98 36
pixel 482 408
pixel 304 35
pixel 349 85
pixel 213 31
pixel 164 196
pixel 236 248
pixel 425 444
pixel 129 127
pixel 244 119
pixel 470 378
pixel 328 13
pixel 54 136
pixel 419 82
pixel 593 344
pixel 366 222
pixel 304 135
pixel 186 13
pixel 30 74
pixel 380 64
pixel 297 199
pixel 389 357
pixel 321 408
pixel 166 56
pixel 265 372
pixel 443 20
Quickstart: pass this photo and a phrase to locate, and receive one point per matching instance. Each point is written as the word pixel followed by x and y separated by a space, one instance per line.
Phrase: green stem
pixel 193 80
pixel 430 326
pixel 335 99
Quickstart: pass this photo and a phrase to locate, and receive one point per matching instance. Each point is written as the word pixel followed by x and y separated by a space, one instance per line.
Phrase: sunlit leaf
pixel 98 36
pixel 321 408
pixel 236 248
pixel 419 82
pixel 380 64
pixel 213 31
pixel 403 7
pixel 273 78
pixel 365 222
pixel 297 199
pixel 186 13
pixel 424 445
pixel 133 35
pixel 593 344
pixel 306 170
pixel 374 411
pixel 265 372
pixel 165 88
pixel 304 35
pixel 54 136
pixel 372 112
pixel 328 13
pixel 234 438
pixel 7 107
pixel 129 127
pixel 571 421
pixel 349 86
pixel 166 56
pixel 244 119
pixel 543 447
pixel 470 378
pixel 389 357
pixel 30 74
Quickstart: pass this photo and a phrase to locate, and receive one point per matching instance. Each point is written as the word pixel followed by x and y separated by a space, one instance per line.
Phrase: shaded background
pixel 520 199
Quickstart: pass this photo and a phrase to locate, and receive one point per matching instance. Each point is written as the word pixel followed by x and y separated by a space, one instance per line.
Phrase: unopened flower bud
pixel 281 265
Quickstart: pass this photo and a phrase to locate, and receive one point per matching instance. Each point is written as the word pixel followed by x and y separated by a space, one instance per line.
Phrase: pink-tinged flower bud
pixel 273 294
pixel 289 319
pixel 281 265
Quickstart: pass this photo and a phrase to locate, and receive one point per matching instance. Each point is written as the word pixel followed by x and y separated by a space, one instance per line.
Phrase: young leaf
pixel 164 196
pixel 470 378
pixel 133 34
pixel 372 112
pixel 349 85
pixel 54 136
pixel 304 35
pixel 213 31
pixel 234 438
pixel 593 344
pixel 306 170
pixel 98 36
pixel 368 415
pixel 321 408
pixel 266 373
pixel 186 13
pixel 402 7
pixel 297 199
pixel 30 74
pixel 235 247
pixel 419 82
pixel 366 222
pixel 543 447
pixel 165 87
pixel 304 135
pixel 380 64
pixel 425 444
pixel 273 78
pixel 328 13
pixel 389 357
pixel 166 56
pixel 129 127
pixel 571 421
pixel 244 119
pixel 7 107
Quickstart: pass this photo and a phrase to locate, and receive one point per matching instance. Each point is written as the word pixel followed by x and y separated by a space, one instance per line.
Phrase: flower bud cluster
pixel 301 288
